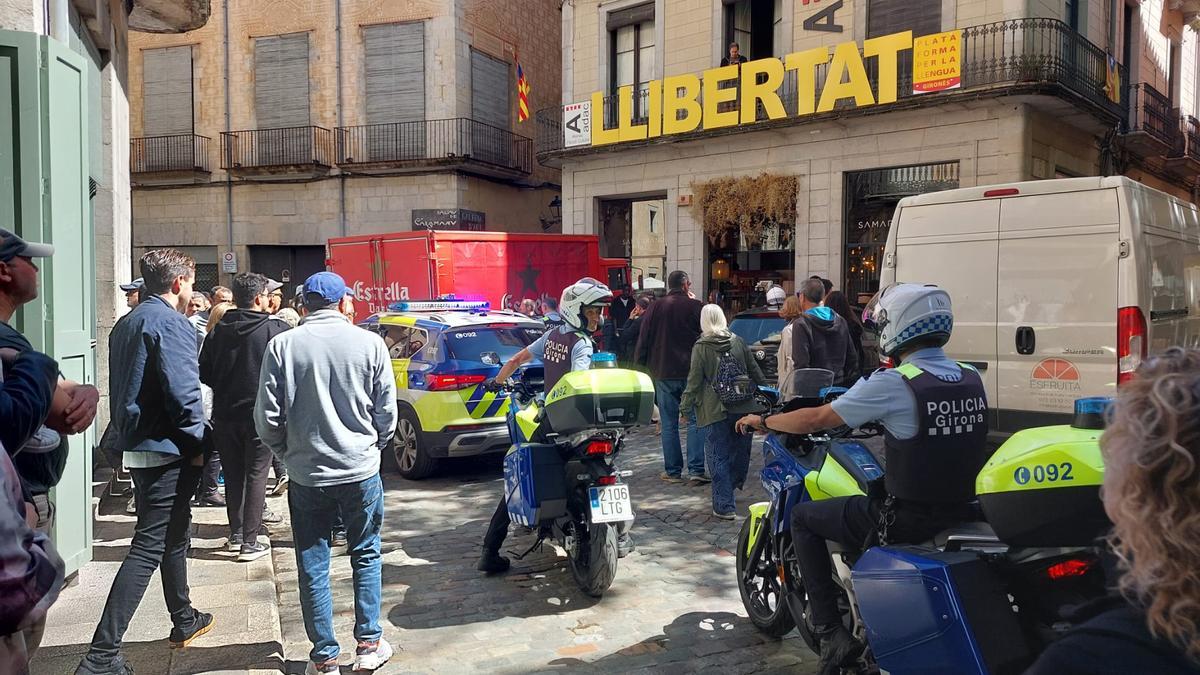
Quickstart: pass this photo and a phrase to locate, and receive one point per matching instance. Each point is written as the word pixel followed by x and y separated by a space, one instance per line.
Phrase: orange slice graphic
pixel 1055 369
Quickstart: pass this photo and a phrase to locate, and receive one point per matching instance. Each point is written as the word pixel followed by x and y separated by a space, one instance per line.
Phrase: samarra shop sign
pixel 674 105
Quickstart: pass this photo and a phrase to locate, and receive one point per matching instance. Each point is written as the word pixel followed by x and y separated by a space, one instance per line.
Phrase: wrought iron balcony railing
pixel 181 152
pixel 432 142
pixel 1034 55
pixel 1150 113
pixel 266 148
pixel 1187 142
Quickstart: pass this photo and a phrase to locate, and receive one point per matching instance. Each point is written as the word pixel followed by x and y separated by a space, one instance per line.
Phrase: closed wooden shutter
pixel 394 56
pixel 281 99
pixel 167 91
pixel 490 87
pixel 922 17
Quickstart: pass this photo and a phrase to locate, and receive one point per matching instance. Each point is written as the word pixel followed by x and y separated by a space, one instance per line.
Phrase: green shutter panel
pixel 44 141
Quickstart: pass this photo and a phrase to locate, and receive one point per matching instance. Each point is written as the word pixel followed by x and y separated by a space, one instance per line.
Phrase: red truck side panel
pixel 383 270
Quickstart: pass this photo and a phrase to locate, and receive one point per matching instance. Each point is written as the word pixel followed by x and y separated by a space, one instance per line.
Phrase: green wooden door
pixel 44 141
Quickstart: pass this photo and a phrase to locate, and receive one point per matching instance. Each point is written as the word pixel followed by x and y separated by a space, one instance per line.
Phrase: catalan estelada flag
pixel 1112 79
pixel 522 94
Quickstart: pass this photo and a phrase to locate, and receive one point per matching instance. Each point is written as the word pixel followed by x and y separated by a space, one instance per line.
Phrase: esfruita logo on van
pixel 1055 374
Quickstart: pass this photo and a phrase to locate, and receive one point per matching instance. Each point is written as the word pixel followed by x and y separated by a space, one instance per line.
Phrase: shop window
pixel 631 54
pixel 870 202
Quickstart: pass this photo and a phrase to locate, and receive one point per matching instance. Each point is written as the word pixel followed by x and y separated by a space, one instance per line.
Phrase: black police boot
pixel 625 545
pixel 838 648
pixel 492 562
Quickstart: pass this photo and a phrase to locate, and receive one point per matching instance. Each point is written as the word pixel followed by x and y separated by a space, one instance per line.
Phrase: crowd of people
pixel 188 376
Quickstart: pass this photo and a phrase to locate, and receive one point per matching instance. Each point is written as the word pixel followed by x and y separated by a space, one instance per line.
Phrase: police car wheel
pixel 412 459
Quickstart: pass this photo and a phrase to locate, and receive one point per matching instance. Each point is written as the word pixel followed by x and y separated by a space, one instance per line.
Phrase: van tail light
pixel 452 382
pixel 1131 342
pixel 1075 567
pixel 1002 192
pixel 599 447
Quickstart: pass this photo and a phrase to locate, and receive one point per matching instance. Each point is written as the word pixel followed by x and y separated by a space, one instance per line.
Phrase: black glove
pixel 492 385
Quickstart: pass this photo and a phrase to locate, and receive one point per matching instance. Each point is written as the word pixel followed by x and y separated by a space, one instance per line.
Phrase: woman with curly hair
pixel 1152 494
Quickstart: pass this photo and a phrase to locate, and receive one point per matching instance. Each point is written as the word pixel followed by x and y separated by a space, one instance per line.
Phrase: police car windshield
pixel 470 344
pixel 752 329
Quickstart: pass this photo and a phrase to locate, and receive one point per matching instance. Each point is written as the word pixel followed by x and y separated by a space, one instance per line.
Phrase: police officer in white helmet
pixel 934 415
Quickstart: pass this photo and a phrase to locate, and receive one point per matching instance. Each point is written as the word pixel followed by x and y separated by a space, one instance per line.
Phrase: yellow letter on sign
pixel 600 135
pixel 714 96
pixel 886 48
pixel 766 91
pixel 626 129
pixel 846 63
pixel 676 101
pixel 804 64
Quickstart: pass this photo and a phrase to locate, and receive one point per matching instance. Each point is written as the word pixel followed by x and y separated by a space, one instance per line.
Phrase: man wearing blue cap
pixel 326 407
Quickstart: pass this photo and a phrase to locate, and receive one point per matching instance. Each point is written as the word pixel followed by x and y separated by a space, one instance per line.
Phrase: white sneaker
pixel 131 507
pixel 322 669
pixel 370 656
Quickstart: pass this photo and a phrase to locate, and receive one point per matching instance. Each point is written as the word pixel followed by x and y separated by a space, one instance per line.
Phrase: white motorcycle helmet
pixel 902 314
pixel 587 292
pixel 775 296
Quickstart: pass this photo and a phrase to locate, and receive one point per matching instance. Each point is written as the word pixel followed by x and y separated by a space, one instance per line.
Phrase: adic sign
pixel 937 62
pixel 577 124
pixel 447 219
pixel 674 105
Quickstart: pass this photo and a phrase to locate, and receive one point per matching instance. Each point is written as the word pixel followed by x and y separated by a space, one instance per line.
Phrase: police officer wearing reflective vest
pixel 934 415
pixel 561 350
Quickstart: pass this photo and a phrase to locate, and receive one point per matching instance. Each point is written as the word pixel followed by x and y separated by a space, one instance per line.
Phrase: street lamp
pixel 555 214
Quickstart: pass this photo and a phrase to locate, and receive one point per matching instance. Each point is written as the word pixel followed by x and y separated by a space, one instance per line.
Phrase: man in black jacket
pixel 230 364
pixel 821 338
pixel 669 329
pixel 154 391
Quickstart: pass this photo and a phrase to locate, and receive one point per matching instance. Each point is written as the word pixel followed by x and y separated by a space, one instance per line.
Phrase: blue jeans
pixel 313 511
pixel 728 455
pixel 669 393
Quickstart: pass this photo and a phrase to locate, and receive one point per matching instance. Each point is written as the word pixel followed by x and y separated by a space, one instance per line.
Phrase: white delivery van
pixel 1060 287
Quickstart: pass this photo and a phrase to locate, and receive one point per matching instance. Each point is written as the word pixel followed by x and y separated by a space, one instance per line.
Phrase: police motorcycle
pixel 983 597
pixel 560 478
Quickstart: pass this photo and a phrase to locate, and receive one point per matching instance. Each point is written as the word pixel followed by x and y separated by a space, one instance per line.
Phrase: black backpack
pixel 732 383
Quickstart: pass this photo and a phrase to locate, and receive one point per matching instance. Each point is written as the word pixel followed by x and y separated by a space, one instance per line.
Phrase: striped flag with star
pixel 522 94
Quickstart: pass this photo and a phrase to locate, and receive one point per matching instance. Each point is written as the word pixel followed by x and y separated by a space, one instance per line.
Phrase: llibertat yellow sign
pixel 937 62
pixel 733 95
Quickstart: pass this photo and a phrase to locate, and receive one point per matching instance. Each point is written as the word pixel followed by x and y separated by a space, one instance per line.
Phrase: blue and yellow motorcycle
pixel 983 597
pixel 560 476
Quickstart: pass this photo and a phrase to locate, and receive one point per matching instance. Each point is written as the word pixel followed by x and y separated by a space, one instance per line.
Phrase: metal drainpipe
pixel 228 178
pixel 60 21
pixel 1113 8
pixel 340 116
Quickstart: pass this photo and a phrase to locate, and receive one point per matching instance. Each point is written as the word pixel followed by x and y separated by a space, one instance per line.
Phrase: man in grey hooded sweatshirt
pixel 327 407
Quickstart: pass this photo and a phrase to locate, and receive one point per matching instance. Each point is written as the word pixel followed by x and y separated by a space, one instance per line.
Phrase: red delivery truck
pixel 386 268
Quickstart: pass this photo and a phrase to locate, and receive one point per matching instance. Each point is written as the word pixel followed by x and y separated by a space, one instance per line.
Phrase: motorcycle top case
pixel 1042 488
pixel 937 613
pixel 604 398
pixel 535 483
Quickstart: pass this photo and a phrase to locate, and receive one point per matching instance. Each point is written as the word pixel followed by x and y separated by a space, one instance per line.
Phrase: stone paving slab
pixel 673 608
pixel 241 596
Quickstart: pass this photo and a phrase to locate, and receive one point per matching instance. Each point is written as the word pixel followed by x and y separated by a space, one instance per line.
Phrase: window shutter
pixel 922 17
pixel 395 72
pixel 490 87
pixel 630 15
pixel 281 81
pixel 167 91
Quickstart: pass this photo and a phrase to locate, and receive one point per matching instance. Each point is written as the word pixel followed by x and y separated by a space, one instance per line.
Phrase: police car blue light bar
pixel 439 306
pixel 1092 405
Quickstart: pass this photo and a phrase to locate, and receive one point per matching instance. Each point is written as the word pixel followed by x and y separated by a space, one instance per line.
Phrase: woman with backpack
pixel 721 383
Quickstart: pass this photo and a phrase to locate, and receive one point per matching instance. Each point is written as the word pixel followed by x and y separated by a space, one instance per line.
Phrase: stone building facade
pixel 1036 100
pixel 436 144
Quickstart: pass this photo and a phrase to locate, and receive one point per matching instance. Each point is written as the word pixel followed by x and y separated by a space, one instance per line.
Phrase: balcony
pixel 1183 160
pixel 457 143
pixel 169 160
pixel 1040 61
pixel 1152 129
pixel 278 154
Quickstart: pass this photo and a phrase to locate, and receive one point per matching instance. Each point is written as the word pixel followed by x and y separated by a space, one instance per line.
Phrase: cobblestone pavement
pixel 673 608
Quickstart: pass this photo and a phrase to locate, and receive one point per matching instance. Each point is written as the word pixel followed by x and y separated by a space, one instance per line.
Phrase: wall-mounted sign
pixel 735 95
pixel 447 219
pixel 937 62
pixel 229 262
pixel 577 124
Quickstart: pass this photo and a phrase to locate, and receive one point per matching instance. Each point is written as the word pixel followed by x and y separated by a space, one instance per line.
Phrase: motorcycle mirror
pixel 490 358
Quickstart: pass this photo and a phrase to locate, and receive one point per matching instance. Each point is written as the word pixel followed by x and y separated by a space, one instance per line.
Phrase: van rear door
pixel 1162 277
pixel 1056 304
pixel 954 245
